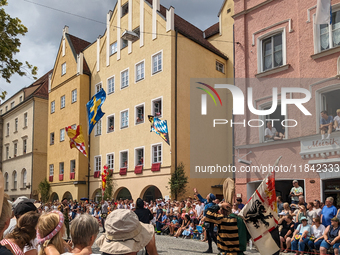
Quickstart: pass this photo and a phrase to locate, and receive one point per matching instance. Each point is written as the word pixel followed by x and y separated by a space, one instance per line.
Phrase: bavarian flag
pixel 94 112
pixel 160 127
pixel 261 218
pixel 76 139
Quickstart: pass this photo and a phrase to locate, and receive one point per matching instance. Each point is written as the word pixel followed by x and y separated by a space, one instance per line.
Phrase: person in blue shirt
pixel 208 202
pixel 328 212
pixel 301 236
pixel 239 203
pixel 326 125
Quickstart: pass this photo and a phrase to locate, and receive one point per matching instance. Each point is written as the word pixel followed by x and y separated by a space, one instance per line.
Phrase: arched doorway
pixel 68 196
pixel 97 195
pixel 54 197
pixel 152 193
pixel 123 193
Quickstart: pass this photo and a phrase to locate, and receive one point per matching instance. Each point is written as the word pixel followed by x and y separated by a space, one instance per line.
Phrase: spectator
pixel 159 219
pixel 301 214
pixel 311 213
pixel 235 209
pixel 317 230
pixel 6 213
pixel 337 120
pixel 317 207
pixel 239 203
pixel 295 192
pixel 331 237
pixel 286 208
pixel 279 204
pixel 144 215
pixel 104 211
pixel 328 212
pixel 301 236
pixel 271 133
pixel 185 225
pixel 338 214
pixel 326 125
pixel 287 231
pixel 199 209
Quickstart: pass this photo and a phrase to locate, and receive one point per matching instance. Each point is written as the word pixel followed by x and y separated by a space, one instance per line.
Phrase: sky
pixel 40 44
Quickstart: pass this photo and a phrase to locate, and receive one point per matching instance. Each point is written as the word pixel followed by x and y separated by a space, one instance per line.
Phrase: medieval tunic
pixel 232 234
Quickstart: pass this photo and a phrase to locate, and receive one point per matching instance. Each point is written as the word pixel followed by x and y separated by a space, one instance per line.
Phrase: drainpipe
pixel 32 148
pixel 176 42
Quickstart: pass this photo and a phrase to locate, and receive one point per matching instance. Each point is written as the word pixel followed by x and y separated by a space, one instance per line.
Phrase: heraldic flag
pixel 160 127
pixel 94 112
pixel 76 139
pixel 261 219
pixel 104 177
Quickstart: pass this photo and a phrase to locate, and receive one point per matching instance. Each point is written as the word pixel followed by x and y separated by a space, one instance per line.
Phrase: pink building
pixel 278 39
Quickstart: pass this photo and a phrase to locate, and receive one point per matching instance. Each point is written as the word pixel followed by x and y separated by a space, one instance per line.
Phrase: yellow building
pixel 144 62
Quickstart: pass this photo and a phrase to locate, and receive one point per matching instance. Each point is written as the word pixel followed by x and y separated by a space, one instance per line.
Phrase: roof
pixel 77 46
pixel 219 13
pixel 192 32
pixel 39 87
pixel 213 30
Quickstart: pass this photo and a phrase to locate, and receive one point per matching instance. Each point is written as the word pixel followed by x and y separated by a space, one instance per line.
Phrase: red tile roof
pixel 77 46
pixel 213 30
pixel 39 87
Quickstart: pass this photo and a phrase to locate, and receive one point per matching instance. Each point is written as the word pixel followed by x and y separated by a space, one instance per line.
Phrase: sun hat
pixel 124 233
pixel 24 207
pixel 303 218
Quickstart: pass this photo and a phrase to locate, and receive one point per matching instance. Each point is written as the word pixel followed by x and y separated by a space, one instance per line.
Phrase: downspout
pixel 176 42
pixel 89 152
pixel 32 148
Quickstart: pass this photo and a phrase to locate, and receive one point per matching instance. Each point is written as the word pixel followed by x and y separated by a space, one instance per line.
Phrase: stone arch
pixel 151 192
pixel 68 196
pixel 123 193
pixel 97 195
pixel 54 196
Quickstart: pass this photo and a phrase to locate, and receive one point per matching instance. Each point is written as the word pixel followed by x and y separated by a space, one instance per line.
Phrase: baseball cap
pixel 24 207
pixel 303 218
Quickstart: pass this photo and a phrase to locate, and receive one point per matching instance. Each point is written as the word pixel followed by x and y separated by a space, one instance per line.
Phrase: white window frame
pixel 162 108
pixel 53 138
pixel 98 128
pixel 260 53
pixel 7 151
pixel 62 135
pixel 25 119
pixel 137 64
pixel 114 83
pixel 15 149
pixel 63 172
pixel 156 144
pixel 51 167
pixel 12 104
pixel 24 144
pixel 120 159
pixel 20 99
pixel 120 117
pixel 63 68
pixel 71 170
pixel 7 129
pixel 223 66
pixel 6 177
pixel 16 123
pixel 15 179
pixel 128 78
pixel 24 178
pixel 62 99
pixel 74 96
pixel 53 106
pixel 95 163
pixel 98 85
pixel 142 104
pixel 116 47
pixel 107 160
pixel 107 123
pixel 136 155
pixel 159 71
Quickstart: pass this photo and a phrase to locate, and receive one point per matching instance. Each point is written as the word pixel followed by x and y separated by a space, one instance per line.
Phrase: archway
pixel 151 193
pixel 68 196
pixel 123 193
pixel 97 195
pixel 54 197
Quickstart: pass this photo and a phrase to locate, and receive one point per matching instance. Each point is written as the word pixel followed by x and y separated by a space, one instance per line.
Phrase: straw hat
pixel 124 233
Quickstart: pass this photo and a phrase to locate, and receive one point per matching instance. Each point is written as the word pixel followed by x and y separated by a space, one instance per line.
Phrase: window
pixel 15 149
pixel 6 181
pixel 272 52
pixel 72 166
pixel 1 111
pixel 113 48
pixel 124 43
pixel 51 169
pixel 328 38
pixel 124 79
pixel 74 95
pixel 74 127
pixel 24 146
pixel 20 99
pixel 140 71
pixel 98 128
pixel 7 129
pixel 63 69
pixel 12 105
pixel 125 9
pixel 276 115
pixel 7 151
pixel 110 161
pixel 157 108
pixel 98 87
pixel 61 168
pixel 25 120
pixel 124 159
pixel 124 119
pixel 53 107
pixel 110 124
pixel 111 85
pixel 62 102
pixel 52 138
pixel 16 125
pixel 157 153
pixel 97 163
pixel 137 31
pixel 219 67
pixel 139 156
pixel 157 63
pixel 139 114
pixel 62 134
pixel 6 108
pixel 24 178
pixel 15 181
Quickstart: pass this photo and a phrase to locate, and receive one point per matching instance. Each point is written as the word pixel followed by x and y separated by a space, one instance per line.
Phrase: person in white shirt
pixel 199 209
pixel 317 208
pixel 337 120
pixel 317 231
pixel 271 132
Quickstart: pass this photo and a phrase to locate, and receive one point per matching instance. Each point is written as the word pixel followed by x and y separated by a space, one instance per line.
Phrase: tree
pixel 109 187
pixel 178 181
pixel 44 189
pixel 10 29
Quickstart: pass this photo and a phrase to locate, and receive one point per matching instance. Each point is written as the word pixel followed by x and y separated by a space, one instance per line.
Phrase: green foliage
pixel 109 187
pixel 178 181
pixel 44 190
pixel 10 29
pixel 3 95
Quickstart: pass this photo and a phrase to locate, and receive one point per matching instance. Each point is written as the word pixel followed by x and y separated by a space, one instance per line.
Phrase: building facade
pixel 24 133
pixel 280 40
